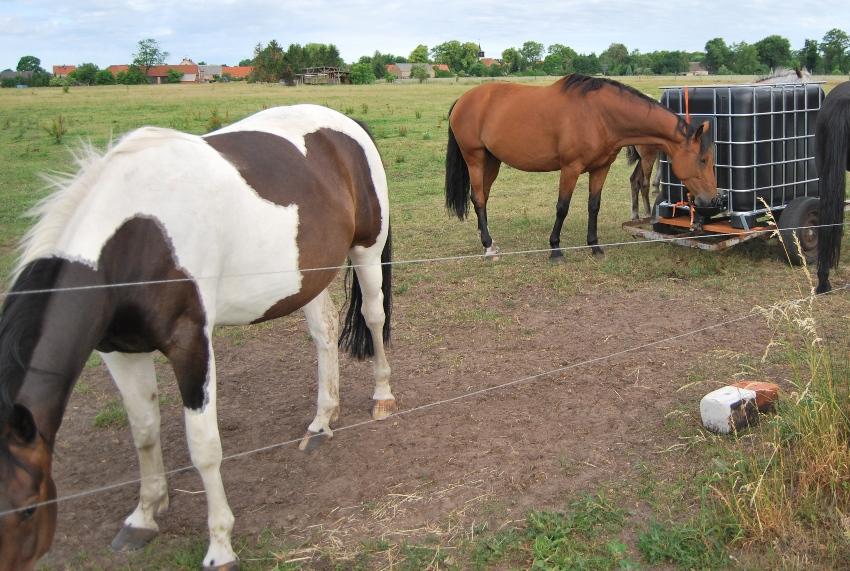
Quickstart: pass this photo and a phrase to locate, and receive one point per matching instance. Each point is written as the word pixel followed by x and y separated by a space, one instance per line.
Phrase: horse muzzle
pixel 710 207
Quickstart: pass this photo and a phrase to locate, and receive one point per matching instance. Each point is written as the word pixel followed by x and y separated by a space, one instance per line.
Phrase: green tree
pixel 174 76
pixel 834 47
pixel 419 72
pixel 245 62
pixel 85 74
pixel 459 57
pixel 133 76
pixel 512 60
pixel 104 77
pixel 148 54
pixel 615 59
pixel 362 73
pixel 531 53
pixel 269 62
pixel 717 55
pixel 29 63
pixel 559 60
pixel 419 54
pixel 587 64
pixel 774 51
pixel 746 59
pixel 809 56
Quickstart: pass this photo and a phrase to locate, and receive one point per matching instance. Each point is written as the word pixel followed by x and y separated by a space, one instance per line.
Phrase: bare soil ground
pixel 485 458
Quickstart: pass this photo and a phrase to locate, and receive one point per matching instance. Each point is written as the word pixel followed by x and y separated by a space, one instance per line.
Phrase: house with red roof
pixel 63 71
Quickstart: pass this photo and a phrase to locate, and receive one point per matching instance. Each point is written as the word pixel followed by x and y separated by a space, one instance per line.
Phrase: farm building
pixel 323 75
pixel 403 70
pixel 159 73
pixel 63 71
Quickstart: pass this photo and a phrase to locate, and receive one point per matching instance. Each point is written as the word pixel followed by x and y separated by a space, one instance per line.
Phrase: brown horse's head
pixel 693 163
pixel 26 528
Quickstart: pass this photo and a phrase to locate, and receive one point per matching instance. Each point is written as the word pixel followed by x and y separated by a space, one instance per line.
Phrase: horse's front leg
pixel 191 355
pixel 135 378
pixel 323 322
pixel 594 201
pixel 638 183
pixel 567 184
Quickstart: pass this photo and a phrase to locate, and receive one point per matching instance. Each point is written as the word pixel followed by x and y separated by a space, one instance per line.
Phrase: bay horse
pixel 149 247
pixel 832 155
pixel 578 124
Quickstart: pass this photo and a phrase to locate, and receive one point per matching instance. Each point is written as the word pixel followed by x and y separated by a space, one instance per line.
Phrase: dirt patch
pixel 533 444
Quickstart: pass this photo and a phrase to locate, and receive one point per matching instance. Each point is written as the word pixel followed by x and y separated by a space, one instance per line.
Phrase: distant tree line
pixel 273 63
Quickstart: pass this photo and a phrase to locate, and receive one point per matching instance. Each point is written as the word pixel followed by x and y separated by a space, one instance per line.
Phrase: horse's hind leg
pixel 594 201
pixel 135 377
pixel 647 163
pixel 483 170
pixel 323 322
pixel 370 276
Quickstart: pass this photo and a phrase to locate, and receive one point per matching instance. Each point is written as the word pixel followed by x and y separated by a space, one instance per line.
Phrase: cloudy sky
pixel 224 31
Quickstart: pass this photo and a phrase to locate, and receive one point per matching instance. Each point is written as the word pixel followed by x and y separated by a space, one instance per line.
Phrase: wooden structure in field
pixel 323 75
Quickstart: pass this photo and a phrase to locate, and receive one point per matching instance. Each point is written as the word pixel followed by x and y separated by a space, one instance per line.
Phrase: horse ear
pixel 22 425
pixel 702 130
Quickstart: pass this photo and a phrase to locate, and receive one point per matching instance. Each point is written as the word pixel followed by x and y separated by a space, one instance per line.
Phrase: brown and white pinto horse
pixel 223 229
pixel 576 125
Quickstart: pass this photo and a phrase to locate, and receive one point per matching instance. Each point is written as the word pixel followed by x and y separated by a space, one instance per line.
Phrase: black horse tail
pixel 457 177
pixel 831 142
pixel 356 337
pixel 632 155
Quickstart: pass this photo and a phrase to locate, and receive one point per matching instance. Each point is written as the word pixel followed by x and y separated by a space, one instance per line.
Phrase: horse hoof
pixel 383 409
pixel 312 440
pixel 557 258
pixel 232 566
pixel 132 538
pixel 492 254
pixel 598 253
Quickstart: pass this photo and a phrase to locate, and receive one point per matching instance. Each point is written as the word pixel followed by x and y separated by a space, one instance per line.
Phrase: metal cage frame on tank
pixel 752 167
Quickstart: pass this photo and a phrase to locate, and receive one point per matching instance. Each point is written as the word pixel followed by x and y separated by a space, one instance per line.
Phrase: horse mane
pixel 66 192
pixel 832 150
pixel 20 327
pixel 786 75
pixel 587 84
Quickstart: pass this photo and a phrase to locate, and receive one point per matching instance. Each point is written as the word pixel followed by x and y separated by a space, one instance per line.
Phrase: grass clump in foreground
pixel 791 491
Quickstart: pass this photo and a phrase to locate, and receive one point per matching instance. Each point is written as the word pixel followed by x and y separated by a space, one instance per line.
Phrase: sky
pixel 106 32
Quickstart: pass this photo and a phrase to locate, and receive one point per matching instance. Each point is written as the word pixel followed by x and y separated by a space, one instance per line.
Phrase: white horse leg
pixel 136 380
pixel 323 322
pixel 205 450
pixel 370 276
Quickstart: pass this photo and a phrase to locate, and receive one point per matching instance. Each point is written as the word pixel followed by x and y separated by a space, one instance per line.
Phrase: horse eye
pixel 27 513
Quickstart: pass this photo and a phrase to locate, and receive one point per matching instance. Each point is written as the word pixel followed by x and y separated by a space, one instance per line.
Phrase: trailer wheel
pixel 798 216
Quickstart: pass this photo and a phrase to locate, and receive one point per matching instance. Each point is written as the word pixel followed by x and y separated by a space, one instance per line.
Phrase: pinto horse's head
pixel 26 527
pixel 693 163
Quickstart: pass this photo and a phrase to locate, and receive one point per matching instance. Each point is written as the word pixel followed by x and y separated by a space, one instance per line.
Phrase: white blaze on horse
pixel 227 228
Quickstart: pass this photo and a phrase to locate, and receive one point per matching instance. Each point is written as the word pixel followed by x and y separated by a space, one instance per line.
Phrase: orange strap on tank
pixel 687 107
pixel 692 208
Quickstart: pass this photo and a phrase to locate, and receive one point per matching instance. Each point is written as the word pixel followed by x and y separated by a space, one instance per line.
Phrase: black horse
pixel 832 153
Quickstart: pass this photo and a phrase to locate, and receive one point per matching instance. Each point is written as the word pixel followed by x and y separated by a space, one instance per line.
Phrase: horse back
pixel 521 125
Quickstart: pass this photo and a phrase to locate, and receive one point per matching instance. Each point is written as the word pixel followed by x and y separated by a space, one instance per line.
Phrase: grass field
pixel 664 517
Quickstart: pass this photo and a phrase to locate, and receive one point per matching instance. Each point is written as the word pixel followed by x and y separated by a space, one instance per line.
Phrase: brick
pixel 766 393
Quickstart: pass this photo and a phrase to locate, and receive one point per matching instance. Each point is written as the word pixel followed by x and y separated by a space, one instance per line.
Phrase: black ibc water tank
pixel 763 141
